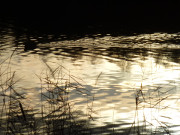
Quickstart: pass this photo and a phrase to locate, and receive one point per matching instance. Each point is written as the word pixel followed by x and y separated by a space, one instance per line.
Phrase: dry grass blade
pixel 164 127
pixel 98 78
pixel 153 102
pixel 160 100
pixel 22 111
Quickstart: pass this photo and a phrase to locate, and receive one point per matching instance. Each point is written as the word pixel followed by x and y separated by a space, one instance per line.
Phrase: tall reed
pixel 147 114
pixel 56 113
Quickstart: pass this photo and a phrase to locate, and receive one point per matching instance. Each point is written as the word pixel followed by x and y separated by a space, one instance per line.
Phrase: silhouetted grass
pixel 57 114
pixel 150 99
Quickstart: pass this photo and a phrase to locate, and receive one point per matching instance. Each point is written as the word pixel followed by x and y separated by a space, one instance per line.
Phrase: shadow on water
pixel 118 44
pixel 57 115
pixel 74 16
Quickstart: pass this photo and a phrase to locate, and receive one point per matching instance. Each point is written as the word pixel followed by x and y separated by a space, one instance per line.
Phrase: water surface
pixel 113 68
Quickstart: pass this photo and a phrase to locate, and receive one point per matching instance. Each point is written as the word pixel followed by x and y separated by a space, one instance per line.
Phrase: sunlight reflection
pixel 113 70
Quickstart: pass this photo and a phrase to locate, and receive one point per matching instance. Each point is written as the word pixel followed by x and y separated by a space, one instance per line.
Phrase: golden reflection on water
pixel 113 78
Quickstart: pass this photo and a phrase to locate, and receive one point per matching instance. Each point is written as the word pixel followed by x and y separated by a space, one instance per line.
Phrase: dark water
pixel 112 67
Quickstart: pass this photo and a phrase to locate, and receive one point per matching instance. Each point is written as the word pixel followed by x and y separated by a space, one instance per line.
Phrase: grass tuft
pixel 56 114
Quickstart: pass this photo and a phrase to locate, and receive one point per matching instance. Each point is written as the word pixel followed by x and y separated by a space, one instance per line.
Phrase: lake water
pixel 115 69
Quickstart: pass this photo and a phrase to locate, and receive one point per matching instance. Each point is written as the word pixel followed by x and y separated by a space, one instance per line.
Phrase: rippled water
pixel 112 67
